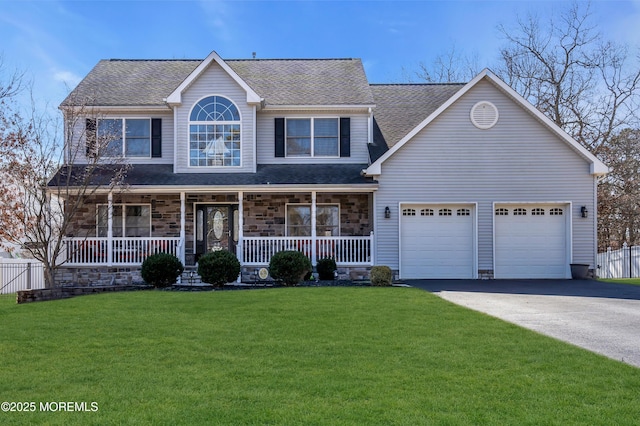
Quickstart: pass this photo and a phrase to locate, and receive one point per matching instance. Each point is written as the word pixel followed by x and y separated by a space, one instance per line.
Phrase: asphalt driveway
pixel 601 317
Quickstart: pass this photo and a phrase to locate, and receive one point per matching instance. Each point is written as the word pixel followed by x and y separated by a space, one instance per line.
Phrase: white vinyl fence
pixel 20 274
pixel 621 263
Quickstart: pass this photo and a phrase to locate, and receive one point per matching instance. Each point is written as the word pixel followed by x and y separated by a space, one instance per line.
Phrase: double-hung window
pixel 129 220
pixel 299 220
pixel 312 137
pixel 129 137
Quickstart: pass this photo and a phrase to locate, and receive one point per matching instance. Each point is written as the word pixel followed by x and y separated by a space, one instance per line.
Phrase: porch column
pixel 183 221
pixel 110 229
pixel 313 228
pixel 240 224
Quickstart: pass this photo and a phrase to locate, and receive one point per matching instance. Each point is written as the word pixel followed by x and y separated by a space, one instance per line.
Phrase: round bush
pixel 289 266
pixel 161 270
pixel 381 276
pixel 326 268
pixel 218 267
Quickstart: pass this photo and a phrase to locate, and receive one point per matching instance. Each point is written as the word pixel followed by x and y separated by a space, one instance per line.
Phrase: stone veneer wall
pixel 165 214
pixel 98 275
pixel 264 214
pixel 41 295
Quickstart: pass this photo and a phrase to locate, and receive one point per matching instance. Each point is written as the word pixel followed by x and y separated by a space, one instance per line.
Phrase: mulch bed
pixel 265 284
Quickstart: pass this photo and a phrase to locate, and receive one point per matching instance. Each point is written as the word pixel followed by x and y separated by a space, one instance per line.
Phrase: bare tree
pixel 619 217
pixel 46 181
pixel 584 84
pixel 11 84
pixel 451 66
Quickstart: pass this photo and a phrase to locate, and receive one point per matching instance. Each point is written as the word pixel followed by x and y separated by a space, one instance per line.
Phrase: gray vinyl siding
pixel 519 159
pixel 78 135
pixel 214 81
pixel 266 141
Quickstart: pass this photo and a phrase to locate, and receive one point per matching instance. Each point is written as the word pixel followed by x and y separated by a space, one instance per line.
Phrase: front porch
pixel 127 228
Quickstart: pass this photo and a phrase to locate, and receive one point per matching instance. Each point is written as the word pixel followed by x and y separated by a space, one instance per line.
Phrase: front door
pixel 216 228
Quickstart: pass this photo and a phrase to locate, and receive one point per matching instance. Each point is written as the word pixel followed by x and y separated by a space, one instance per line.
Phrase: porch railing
pixel 121 251
pixel 344 250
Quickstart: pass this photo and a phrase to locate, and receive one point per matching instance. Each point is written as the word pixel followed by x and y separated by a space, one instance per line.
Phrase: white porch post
pixel 110 229
pixel 183 221
pixel 313 228
pixel 240 224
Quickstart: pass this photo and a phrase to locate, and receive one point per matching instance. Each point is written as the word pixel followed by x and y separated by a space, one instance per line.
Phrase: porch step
pixel 190 276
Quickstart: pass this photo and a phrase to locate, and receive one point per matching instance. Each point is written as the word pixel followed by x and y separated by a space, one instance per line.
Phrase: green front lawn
pixel 631 281
pixel 298 356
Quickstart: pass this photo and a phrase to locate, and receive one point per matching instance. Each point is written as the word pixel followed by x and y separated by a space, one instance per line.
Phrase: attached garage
pixel 531 240
pixel 437 241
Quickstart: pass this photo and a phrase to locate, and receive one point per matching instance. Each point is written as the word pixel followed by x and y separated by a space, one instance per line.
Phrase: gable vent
pixel 484 115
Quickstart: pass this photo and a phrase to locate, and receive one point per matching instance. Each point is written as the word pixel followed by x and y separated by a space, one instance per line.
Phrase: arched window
pixel 214 133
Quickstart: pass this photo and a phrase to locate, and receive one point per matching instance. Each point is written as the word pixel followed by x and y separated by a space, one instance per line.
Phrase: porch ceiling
pixel 270 175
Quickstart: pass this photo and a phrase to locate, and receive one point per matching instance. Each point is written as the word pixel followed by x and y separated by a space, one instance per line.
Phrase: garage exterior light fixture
pixel 387 212
pixel 584 212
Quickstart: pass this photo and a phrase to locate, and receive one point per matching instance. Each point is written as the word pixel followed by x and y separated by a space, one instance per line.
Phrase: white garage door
pixel 437 241
pixel 531 241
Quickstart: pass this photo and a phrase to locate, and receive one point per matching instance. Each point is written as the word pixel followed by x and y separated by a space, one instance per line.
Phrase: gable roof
pixel 597 166
pixel 280 82
pixel 176 96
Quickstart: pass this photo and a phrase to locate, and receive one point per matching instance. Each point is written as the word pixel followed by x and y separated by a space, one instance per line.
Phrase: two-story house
pixel 257 156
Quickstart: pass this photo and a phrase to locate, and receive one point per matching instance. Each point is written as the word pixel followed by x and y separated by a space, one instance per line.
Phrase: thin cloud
pixel 67 77
pixel 219 17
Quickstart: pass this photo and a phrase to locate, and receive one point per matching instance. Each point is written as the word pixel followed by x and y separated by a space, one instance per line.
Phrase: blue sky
pixel 58 42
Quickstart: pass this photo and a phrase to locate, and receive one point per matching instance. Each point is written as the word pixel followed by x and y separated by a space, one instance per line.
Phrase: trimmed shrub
pixel 326 268
pixel 290 267
pixel 161 270
pixel 381 276
pixel 218 267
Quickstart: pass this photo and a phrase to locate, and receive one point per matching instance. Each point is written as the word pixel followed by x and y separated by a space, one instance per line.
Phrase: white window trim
pixel 123 205
pixel 312 137
pixel 124 135
pixel 189 123
pixel 286 216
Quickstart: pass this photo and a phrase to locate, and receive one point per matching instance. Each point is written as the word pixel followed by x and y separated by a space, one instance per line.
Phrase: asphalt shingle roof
pixel 279 81
pixel 266 174
pixel 401 107
pixel 130 82
pixel 306 81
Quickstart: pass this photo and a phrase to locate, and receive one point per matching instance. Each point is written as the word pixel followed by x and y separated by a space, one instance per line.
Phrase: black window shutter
pixel 90 136
pixel 279 137
pixel 345 137
pixel 156 137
